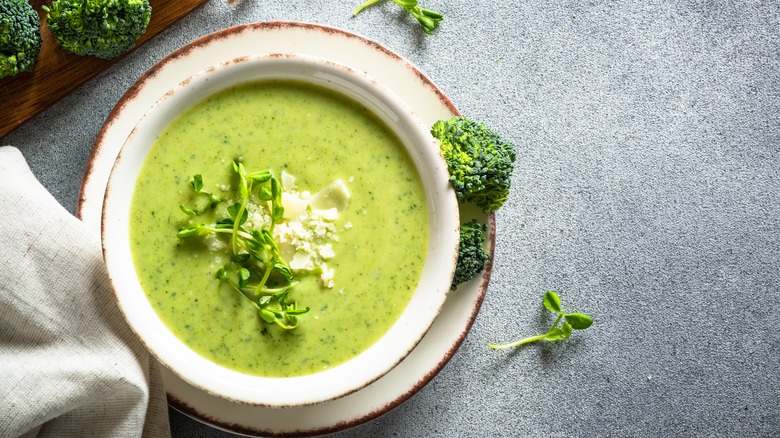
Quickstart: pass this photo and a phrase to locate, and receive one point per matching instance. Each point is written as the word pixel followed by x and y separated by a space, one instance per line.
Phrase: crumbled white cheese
pixel 336 195
pixel 326 251
pixel 326 278
pixel 288 181
pixel 301 260
pixel 308 228
pixel 257 216
pixel 213 243
pixel 330 214
pixel 293 205
pixel 305 236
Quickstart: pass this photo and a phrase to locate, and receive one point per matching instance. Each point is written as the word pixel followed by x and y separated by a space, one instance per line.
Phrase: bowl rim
pixel 445 232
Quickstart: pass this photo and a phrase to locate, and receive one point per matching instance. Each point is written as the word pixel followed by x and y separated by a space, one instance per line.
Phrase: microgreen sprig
pixel 197 185
pixel 428 19
pixel 271 303
pixel 256 270
pixel 238 211
pixel 575 320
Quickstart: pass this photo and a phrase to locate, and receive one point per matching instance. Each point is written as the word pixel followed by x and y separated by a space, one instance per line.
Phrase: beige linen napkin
pixel 69 364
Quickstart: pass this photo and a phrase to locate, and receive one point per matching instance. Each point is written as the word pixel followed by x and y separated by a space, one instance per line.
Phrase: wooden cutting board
pixel 57 72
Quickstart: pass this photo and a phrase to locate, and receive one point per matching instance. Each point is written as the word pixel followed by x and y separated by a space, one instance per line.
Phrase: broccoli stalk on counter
pixel 20 37
pixel 102 28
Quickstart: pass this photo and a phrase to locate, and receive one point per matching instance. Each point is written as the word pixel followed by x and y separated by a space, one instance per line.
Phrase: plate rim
pixel 100 149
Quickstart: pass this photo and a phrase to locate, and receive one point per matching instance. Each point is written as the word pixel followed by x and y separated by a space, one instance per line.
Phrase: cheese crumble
pixel 309 227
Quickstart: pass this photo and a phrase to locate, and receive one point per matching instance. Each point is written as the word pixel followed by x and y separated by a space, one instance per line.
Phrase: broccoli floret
pixel 479 161
pixel 102 28
pixel 20 37
pixel 471 254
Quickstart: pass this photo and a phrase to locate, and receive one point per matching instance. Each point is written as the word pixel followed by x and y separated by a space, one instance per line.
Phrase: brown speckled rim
pixel 98 149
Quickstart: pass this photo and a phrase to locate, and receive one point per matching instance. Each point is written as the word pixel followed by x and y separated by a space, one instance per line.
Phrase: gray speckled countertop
pixel 646 193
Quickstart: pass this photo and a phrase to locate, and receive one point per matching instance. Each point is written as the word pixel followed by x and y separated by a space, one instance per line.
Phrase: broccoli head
pixel 471 255
pixel 102 28
pixel 479 161
pixel 20 37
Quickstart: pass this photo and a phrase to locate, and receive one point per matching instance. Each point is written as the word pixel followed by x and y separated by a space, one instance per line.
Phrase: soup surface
pixel 318 136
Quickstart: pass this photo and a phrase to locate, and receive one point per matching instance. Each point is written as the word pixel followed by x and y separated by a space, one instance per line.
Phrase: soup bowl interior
pixel 367 366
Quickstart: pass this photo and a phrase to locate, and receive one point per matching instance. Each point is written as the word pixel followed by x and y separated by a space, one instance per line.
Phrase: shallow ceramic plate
pixel 394 72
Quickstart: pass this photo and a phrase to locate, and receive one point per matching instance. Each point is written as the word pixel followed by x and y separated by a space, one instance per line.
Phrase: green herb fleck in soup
pixel 355 277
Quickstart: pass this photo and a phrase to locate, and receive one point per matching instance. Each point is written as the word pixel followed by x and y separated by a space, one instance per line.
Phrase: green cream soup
pixel 318 136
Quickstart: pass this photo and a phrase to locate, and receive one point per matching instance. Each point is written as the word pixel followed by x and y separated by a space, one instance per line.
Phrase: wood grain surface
pixel 58 72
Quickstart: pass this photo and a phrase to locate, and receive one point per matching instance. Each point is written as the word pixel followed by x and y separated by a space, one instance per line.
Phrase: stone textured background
pixel 646 194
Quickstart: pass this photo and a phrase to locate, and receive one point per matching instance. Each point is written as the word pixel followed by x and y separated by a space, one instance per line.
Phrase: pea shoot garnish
pixel 197 185
pixel 571 321
pixel 256 270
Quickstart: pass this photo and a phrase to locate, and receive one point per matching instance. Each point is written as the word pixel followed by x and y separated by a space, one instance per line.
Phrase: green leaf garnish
pixel 578 321
pixel 243 277
pixel 197 183
pixel 571 321
pixel 277 211
pixel 256 270
pixel 234 210
pixel 265 193
pixel 197 186
pixel 187 232
pixel 261 176
pixel 187 211
pixel 552 302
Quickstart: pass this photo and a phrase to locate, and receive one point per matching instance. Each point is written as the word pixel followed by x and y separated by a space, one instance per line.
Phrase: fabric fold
pixel 70 366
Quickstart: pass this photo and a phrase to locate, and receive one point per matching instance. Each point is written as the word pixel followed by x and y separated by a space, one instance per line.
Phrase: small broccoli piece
pixel 20 37
pixel 102 28
pixel 479 161
pixel 471 255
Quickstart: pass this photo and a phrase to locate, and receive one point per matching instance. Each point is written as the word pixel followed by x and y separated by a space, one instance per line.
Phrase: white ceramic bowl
pixel 340 380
